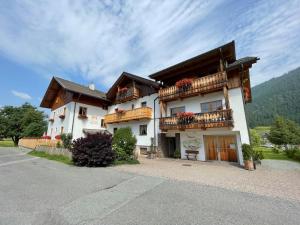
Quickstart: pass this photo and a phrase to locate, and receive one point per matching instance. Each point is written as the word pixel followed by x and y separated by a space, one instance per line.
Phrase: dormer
pixel 129 87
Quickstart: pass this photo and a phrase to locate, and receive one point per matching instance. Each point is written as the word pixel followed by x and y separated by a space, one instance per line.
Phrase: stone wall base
pixel 54 151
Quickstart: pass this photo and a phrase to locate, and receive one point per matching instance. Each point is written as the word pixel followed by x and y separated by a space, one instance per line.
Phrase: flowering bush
pixel 57 137
pixel 46 137
pixel 184 83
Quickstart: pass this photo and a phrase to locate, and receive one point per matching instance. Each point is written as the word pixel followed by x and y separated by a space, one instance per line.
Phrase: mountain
pixel 278 96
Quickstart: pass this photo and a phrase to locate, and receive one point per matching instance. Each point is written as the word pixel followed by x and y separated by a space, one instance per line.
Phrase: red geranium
pixel 185 115
pixel 123 90
pixel 184 82
pixel 46 137
pixel 57 137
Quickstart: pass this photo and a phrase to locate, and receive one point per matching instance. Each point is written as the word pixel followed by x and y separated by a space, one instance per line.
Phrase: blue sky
pixel 94 41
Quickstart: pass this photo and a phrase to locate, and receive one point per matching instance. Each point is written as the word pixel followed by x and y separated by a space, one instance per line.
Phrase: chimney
pixel 92 87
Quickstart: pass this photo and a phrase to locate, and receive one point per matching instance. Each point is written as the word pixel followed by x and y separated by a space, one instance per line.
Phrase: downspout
pixel 154 118
pixel 74 114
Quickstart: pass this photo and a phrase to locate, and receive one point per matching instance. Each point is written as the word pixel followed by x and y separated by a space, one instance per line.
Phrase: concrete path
pixel 281 164
pixel 40 192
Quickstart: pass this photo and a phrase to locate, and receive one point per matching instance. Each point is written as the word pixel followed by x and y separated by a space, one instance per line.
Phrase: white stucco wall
pixel 240 130
pixel 94 114
pixel 144 140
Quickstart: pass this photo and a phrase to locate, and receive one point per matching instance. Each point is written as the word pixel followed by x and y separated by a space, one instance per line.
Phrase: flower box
pixel 46 137
pixel 57 137
pixel 185 117
pixel 184 84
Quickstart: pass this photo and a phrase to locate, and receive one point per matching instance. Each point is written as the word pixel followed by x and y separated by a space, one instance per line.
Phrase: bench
pixel 190 153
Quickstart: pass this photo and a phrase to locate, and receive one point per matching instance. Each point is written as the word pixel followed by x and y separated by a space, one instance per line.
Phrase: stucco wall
pixel 144 140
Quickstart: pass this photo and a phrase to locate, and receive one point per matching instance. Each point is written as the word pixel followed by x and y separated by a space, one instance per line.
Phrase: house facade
pixel 195 107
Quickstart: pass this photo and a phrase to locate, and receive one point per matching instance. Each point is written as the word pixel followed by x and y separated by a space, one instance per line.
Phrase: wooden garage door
pixel 226 145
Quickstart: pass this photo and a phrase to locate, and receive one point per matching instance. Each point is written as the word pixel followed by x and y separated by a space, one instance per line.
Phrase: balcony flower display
pixel 119 110
pixel 46 137
pixel 184 84
pixel 123 90
pixel 185 117
pixel 57 137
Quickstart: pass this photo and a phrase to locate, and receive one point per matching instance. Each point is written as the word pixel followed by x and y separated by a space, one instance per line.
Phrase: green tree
pixel 18 122
pixel 124 143
pixel 255 138
pixel 284 132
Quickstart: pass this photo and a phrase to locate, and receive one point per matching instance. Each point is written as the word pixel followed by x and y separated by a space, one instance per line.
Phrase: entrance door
pixel 171 142
pixel 221 148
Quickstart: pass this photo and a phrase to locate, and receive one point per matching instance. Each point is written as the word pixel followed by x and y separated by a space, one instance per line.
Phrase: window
pixel 61 130
pixel 144 104
pixel 211 106
pixel 174 111
pixel 82 111
pixel 115 130
pixel 102 123
pixel 132 106
pixel 143 130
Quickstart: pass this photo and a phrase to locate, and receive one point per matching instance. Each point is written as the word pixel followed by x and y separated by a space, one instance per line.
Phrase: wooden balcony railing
pixel 130 94
pixel 216 119
pixel 134 114
pixel 200 85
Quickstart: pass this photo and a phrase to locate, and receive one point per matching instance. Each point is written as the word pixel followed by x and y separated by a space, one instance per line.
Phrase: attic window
pixel 82 112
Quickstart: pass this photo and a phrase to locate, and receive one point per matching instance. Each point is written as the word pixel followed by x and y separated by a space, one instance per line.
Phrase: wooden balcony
pixel 129 115
pixel 217 119
pixel 200 85
pixel 130 94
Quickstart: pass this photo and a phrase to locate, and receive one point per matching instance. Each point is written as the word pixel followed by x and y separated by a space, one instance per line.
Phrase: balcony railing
pixel 200 85
pixel 216 119
pixel 130 94
pixel 129 115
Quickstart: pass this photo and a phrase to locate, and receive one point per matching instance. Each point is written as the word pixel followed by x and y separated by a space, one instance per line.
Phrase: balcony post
pixel 225 88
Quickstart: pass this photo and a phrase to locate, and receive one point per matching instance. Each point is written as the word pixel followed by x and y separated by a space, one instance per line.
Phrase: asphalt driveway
pixel 38 191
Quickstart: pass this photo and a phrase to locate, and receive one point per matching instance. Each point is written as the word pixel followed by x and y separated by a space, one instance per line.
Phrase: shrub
pixel 247 151
pixel 257 155
pixel 93 150
pixel 291 152
pixel 67 140
pixel 58 144
pixel 275 150
pixel 177 154
pixel 124 143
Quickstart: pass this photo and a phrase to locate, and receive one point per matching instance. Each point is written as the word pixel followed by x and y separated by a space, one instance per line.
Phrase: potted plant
pixel 184 84
pixel 257 157
pixel 248 156
pixel 185 117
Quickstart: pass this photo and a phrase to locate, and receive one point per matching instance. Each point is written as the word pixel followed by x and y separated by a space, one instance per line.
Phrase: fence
pixel 34 142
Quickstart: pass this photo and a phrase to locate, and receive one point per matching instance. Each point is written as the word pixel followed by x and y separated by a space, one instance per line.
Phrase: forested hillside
pixel 278 96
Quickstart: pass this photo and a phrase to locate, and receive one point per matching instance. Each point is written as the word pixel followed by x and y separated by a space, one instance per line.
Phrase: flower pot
pixel 248 164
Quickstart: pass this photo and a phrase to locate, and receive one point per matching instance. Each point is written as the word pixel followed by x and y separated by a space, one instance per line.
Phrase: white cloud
pixel 100 39
pixel 21 95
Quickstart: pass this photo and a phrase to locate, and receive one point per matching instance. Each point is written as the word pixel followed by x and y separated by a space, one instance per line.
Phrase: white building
pixel 195 107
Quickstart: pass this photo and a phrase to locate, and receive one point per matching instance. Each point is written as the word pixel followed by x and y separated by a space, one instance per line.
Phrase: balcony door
pixel 221 148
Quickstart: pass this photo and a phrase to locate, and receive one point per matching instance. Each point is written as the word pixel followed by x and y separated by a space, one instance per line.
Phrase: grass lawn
pixel 6 143
pixel 59 158
pixel 269 154
pixel 122 162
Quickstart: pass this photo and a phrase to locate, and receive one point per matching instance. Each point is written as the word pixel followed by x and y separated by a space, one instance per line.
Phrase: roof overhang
pixel 227 52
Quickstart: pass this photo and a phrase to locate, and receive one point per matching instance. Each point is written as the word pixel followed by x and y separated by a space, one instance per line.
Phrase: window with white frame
pixel 143 130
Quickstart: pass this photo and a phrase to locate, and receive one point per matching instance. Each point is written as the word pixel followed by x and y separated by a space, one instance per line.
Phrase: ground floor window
pixel 115 130
pixel 143 130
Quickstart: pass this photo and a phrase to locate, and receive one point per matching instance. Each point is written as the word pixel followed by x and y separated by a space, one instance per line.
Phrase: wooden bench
pixel 190 153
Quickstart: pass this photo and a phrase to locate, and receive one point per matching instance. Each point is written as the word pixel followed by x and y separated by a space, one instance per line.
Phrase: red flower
pixel 46 137
pixel 184 82
pixel 123 90
pixel 57 137
pixel 182 115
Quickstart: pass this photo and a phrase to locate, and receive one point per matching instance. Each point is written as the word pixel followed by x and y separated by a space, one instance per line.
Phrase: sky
pixel 93 41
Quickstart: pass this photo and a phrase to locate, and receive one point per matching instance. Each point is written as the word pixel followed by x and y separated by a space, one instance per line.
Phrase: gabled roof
pixel 126 75
pixel 227 51
pixel 249 60
pixel 57 83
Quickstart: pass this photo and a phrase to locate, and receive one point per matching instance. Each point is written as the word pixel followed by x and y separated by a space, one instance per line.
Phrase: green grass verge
pixel 269 154
pixel 123 162
pixel 59 158
pixel 7 143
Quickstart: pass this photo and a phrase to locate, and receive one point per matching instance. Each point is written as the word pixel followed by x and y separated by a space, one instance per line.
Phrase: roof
pixel 226 50
pixel 249 60
pixel 69 86
pixel 125 75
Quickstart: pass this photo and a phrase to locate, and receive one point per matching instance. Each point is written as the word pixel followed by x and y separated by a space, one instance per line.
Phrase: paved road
pixel 38 191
